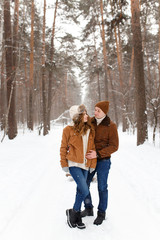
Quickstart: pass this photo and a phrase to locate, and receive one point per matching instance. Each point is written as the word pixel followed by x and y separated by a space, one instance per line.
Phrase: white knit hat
pixel 75 110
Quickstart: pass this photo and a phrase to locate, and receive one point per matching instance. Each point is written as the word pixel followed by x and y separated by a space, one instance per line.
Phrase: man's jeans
pixel 80 177
pixel 102 169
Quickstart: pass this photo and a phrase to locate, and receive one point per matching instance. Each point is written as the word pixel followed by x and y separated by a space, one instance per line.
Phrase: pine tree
pixel 10 70
pixel 139 74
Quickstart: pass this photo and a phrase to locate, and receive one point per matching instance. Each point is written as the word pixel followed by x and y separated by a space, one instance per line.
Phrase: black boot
pixel 87 212
pixel 100 218
pixel 79 222
pixel 71 217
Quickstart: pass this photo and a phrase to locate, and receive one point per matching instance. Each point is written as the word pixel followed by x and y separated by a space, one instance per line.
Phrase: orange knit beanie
pixel 103 105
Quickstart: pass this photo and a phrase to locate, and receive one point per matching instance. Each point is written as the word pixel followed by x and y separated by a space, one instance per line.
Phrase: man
pixel 106 143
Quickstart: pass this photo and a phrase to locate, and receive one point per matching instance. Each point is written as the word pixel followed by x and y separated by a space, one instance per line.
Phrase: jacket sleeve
pixel 112 145
pixel 93 163
pixel 64 148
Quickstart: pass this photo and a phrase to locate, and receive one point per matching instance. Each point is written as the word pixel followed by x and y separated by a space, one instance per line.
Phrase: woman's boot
pixel 71 217
pixel 79 222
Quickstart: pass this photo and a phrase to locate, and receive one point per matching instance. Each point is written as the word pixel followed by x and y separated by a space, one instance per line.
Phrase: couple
pixel 86 148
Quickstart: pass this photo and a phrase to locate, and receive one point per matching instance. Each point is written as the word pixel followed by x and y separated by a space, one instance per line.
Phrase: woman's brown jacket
pixel 106 138
pixel 72 148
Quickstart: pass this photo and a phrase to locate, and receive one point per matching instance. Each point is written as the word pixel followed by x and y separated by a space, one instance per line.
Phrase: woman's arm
pixel 64 148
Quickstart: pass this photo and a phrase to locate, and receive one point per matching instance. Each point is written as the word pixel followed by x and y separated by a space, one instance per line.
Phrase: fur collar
pixel 105 122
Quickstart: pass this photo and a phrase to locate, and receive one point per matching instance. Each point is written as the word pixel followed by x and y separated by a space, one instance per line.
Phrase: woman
pixel 77 140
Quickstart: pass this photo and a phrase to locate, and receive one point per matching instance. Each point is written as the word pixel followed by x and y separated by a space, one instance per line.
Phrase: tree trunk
pixel 1 37
pixel 159 47
pixel 131 68
pixel 121 73
pixel 120 67
pixel 104 52
pixel 26 72
pixel 97 67
pixel 15 42
pixel 45 129
pixel 31 80
pixel 26 88
pixel 155 127
pixel 1 31
pixel 51 68
pixel 11 113
pixel 145 49
pixel 3 101
pixel 111 82
pixel 119 59
pixel 114 100
pixel 139 74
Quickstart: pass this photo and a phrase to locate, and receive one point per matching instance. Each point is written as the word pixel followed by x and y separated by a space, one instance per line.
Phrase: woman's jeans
pixel 80 177
pixel 102 169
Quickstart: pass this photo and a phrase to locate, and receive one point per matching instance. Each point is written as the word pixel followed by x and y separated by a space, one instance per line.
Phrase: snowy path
pixel 34 192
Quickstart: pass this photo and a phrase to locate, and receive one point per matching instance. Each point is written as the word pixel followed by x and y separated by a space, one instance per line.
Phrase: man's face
pixel 98 113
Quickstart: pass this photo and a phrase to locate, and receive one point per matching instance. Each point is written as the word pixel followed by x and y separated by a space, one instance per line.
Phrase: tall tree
pixel 31 80
pixel 51 67
pixel 115 24
pixel 1 67
pixel 104 50
pixel 1 30
pixel 97 68
pixel 159 47
pixel 44 100
pixel 15 36
pixel 139 74
pixel 11 113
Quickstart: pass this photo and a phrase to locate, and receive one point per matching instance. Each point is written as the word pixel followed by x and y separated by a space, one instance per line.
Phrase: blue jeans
pixel 80 177
pixel 102 169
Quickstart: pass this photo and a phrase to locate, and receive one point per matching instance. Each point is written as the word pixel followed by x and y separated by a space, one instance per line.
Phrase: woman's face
pixel 85 116
pixel 98 113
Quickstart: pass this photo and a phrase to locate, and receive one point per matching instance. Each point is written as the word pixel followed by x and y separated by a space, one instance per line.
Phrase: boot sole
pixel 80 227
pixel 68 220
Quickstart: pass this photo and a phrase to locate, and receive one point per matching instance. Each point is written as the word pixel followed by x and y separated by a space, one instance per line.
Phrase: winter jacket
pixel 106 138
pixel 72 147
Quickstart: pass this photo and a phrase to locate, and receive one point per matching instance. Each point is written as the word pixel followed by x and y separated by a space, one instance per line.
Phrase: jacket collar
pixel 105 122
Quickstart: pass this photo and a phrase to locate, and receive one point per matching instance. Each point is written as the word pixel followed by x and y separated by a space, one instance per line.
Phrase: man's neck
pixel 99 120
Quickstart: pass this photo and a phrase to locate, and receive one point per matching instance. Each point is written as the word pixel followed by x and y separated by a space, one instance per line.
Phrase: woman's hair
pixel 80 126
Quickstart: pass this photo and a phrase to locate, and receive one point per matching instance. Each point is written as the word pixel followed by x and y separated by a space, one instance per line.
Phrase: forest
pixel 55 54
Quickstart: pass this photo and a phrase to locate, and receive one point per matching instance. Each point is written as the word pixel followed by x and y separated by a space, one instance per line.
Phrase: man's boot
pixel 100 218
pixel 79 222
pixel 87 212
pixel 71 217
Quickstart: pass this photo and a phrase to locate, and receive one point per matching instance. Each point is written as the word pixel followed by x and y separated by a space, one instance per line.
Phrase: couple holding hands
pixel 86 148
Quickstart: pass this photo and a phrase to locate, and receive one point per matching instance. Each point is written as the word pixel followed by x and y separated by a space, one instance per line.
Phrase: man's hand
pixel 91 154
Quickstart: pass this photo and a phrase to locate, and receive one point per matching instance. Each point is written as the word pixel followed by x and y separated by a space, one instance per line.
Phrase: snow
pixel 34 191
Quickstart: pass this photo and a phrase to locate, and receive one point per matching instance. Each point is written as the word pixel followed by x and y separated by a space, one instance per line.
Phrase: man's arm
pixel 113 143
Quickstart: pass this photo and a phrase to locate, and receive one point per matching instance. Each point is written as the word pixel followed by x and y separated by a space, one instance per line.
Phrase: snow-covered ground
pixel 34 192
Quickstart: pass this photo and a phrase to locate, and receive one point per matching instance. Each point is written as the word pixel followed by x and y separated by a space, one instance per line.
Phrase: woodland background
pixel 114 54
